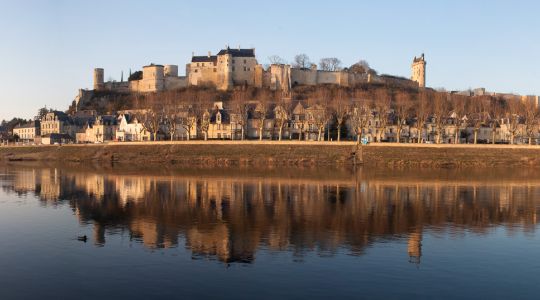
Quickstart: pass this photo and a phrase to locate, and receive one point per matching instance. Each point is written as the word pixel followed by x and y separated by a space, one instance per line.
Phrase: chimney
pixel 209 53
pixel 192 53
pixel 238 47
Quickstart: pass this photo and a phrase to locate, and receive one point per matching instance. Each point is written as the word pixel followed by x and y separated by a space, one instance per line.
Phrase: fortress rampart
pixel 239 67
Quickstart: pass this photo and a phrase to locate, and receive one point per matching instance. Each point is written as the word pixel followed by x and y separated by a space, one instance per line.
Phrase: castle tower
pixel 419 70
pixel 153 78
pixel 171 70
pixel 99 75
pixel 225 69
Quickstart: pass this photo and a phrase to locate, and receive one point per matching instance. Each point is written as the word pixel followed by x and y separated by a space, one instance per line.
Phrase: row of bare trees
pixel 357 108
pixel 303 61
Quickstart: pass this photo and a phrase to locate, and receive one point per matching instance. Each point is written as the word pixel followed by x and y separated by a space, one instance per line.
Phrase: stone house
pixel 298 122
pixel 28 131
pixel 224 125
pixel 101 130
pixel 130 129
pixel 55 122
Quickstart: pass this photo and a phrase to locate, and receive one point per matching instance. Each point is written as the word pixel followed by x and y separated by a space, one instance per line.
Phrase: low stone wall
pixel 224 153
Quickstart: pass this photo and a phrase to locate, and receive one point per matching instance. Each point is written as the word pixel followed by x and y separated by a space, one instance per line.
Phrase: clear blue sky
pixel 49 48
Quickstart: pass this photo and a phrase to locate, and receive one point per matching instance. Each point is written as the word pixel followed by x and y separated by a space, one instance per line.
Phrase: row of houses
pixel 302 122
pixel 57 127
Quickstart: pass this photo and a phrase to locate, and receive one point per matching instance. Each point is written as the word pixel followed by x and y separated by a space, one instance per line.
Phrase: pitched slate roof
pixel 225 117
pixel 32 124
pixel 204 58
pixel 238 52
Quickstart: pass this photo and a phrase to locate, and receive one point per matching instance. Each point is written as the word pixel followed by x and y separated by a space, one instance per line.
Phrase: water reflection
pixel 229 216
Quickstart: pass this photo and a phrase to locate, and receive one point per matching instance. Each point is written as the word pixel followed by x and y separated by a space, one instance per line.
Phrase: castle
pixel 154 78
pixel 239 67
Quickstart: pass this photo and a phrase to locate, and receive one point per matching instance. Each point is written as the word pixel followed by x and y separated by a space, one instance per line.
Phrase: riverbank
pixel 231 153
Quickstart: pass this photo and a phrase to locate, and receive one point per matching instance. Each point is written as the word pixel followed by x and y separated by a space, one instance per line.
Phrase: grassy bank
pixel 227 153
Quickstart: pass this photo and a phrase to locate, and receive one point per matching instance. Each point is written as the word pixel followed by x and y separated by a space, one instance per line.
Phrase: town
pixel 230 96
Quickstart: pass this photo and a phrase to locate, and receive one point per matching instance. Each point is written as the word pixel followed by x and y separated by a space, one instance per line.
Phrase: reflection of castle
pixel 231 218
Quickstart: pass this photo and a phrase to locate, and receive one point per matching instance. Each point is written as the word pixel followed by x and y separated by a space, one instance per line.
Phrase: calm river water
pixel 268 234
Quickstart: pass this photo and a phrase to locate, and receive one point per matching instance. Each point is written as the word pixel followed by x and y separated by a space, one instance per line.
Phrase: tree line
pixel 358 107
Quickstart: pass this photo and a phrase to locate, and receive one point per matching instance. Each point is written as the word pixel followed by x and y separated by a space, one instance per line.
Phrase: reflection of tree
pixel 231 218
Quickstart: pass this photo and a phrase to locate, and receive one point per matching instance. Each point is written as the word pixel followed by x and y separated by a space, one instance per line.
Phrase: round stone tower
pixel 171 71
pixel 419 71
pixel 99 75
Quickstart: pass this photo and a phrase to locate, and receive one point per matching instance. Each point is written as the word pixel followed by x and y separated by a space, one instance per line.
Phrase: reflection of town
pixel 230 218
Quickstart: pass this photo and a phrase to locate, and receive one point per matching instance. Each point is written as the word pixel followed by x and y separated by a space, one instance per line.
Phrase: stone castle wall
pixel 225 71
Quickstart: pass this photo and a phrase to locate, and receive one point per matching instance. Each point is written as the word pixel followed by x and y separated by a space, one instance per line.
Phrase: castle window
pixel 215 70
pixel 233 61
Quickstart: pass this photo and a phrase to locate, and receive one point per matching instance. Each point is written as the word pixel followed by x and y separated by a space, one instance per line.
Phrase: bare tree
pixel 382 102
pixel 282 115
pixel 478 117
pixel 515 107
pixel 276 60
pixel 171 114
pixel 423 112
pixel 205 99
pixel 402 109
pixel 441 108
pixel 301 61
pixel 262 110
pixel 151 120
pixel 361 67
pixel 498 107
pixel 152 117
pixel 330 64
pixel 531 119
pixel 188 120
pixel 460 107
pixel 172 125
pixel 360 115
pixel 205 123
pixel 240 106
pixel 341 109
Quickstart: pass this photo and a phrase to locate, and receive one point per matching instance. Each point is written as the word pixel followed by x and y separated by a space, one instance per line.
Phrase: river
pixel 85 232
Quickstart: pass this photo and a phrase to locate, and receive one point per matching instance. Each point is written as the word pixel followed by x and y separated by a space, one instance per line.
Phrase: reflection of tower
pixel 99 234
pixel 414 246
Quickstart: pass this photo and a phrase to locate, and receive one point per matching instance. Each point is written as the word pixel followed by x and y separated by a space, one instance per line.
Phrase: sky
pixel 48 49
